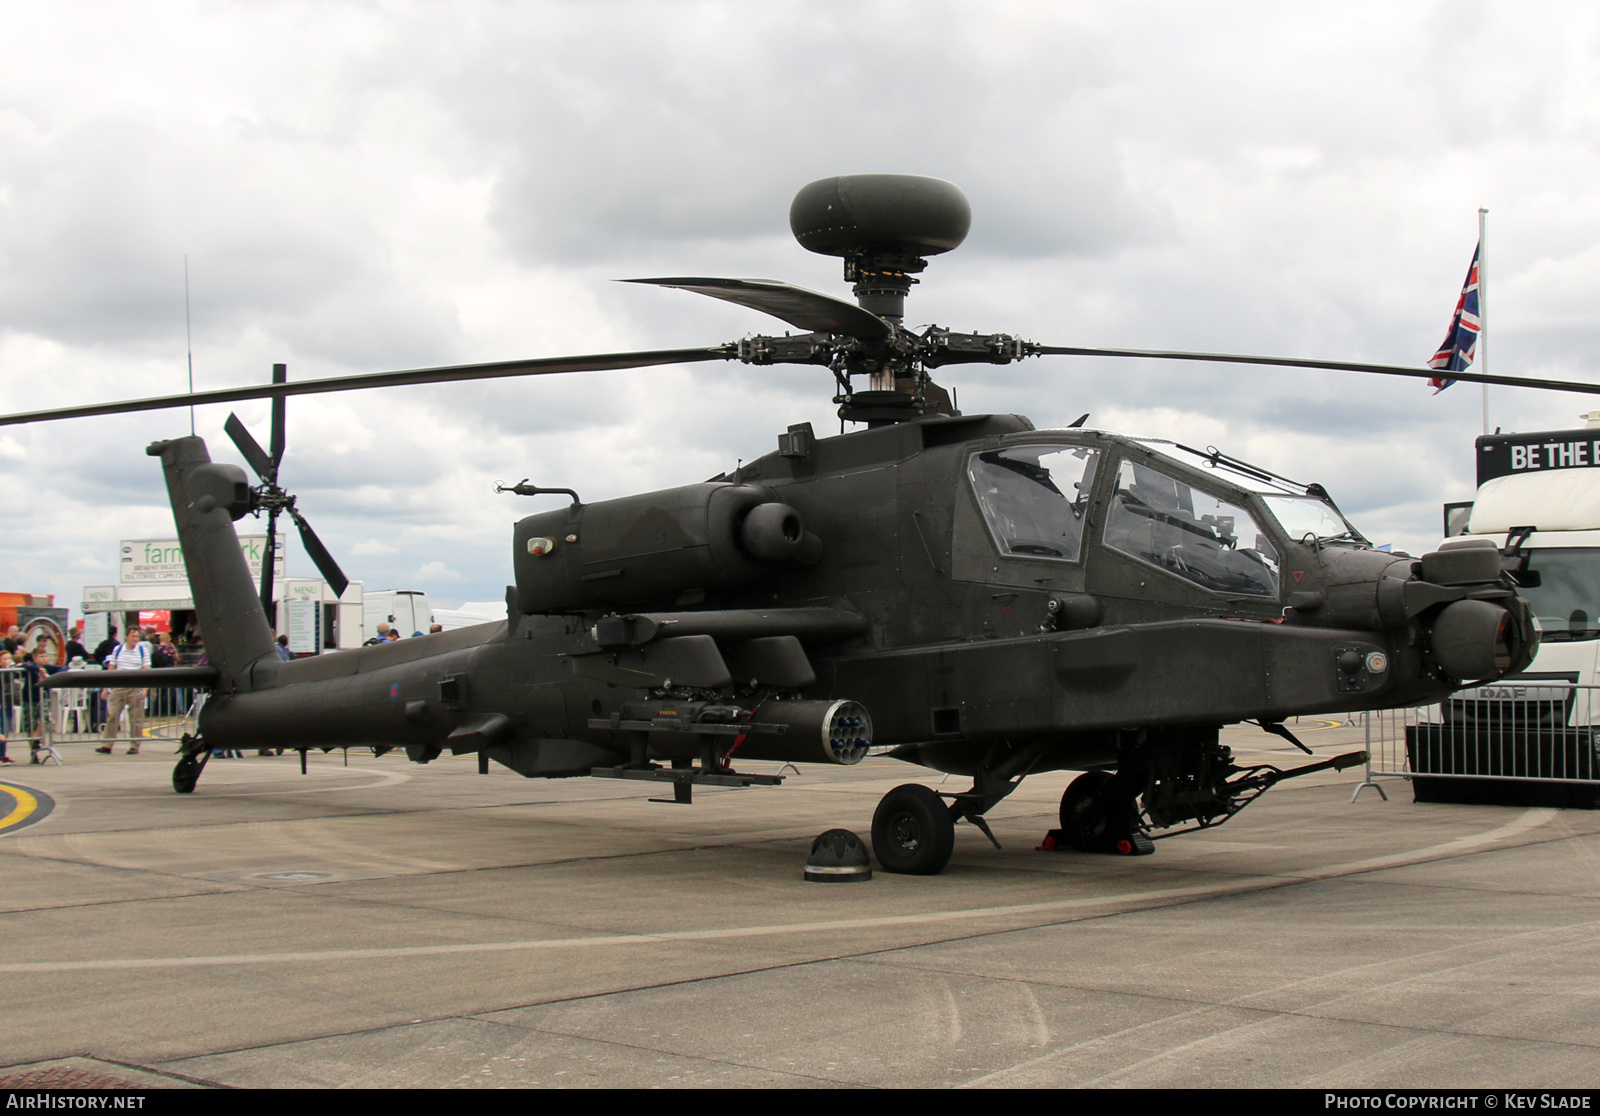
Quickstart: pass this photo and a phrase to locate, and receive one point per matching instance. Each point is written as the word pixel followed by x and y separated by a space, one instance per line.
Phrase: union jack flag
pixel 1462 341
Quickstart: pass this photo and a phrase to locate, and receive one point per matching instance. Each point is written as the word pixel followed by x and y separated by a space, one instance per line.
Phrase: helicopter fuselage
pixel 954 586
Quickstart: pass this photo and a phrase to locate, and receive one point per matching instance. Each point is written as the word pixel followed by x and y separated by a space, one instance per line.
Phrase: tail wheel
pixel 912 831
pixel 186 775
pixel 192 757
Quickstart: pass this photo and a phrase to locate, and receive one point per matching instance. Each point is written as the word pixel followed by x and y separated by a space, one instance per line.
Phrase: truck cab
pixel 1538 502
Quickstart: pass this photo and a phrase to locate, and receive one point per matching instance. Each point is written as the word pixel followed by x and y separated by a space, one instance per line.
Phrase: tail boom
pixel 206 500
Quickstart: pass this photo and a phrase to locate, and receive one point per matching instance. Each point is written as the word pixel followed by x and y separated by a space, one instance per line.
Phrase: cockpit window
pixel 1193 534
pixel 1034 498
pixel 1308 517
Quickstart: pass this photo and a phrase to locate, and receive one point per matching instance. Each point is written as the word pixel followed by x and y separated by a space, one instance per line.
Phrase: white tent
pixel 470 612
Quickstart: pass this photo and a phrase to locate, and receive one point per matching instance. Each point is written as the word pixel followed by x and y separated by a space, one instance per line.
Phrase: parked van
pixel 407 610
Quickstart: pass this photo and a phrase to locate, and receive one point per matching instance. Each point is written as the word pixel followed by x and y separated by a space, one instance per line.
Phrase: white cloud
pixel 434 572
pixel 370 187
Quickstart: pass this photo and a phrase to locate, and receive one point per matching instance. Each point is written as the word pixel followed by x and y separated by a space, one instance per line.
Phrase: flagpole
pixel 1483 308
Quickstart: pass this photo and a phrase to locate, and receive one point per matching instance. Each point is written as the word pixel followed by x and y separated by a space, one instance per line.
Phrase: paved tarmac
pixel 388 925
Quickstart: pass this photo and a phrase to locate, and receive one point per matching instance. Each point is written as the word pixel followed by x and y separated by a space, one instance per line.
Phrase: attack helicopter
pixel 959 591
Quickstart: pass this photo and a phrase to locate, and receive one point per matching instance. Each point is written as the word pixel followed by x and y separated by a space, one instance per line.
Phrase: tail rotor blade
pixel 280 375
pixel 269 564
pixel 320 556
pixel 265 467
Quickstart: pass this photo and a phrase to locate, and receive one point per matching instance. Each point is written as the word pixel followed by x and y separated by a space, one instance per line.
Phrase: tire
pixel 912 831
pixel 186 775
pixel 1080 821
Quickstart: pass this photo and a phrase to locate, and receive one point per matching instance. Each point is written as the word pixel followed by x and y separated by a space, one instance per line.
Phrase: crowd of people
pixel 135 651
pixel 390 634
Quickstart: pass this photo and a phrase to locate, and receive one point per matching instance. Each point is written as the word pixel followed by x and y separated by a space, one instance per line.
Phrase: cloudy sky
pixel 371 186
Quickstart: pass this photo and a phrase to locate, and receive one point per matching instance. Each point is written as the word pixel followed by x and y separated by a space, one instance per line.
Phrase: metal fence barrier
pixel 1487 740
pixel 78 716
pixel 11 680
pixel 24 717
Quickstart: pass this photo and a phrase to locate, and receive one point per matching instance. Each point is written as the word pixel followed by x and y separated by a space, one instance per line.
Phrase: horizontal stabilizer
pixel 155 679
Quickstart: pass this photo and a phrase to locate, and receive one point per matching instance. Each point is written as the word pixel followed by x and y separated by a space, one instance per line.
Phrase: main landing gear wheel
pixel 1093 824
pixel 912 831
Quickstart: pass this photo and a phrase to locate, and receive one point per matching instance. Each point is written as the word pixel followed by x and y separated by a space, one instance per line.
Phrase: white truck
pixel 406 610
pixel 1538 503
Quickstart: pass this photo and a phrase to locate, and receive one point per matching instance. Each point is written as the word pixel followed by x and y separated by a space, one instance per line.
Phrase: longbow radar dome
pixel 871 214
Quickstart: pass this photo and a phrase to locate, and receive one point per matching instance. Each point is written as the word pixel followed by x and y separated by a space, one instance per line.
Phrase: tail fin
pixel 206 499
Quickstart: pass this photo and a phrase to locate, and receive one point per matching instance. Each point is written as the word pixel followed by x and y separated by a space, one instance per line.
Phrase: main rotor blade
pixel 813 312
pixel 253 453
pixel 448 374
pixel 323 560
pixel 1329 365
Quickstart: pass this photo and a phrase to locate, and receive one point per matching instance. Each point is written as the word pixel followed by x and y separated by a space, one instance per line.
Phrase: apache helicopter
pixel 963 592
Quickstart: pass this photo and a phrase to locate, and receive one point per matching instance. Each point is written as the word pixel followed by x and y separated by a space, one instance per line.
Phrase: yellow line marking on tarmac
pixel 384 779
pixel 1310 724
pixel 1530 819
pixel 26 805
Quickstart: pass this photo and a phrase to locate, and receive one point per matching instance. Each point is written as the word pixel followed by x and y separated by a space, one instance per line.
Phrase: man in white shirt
pixel 134 654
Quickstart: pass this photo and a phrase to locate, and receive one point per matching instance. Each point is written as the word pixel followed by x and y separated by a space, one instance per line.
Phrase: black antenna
pixel 188 335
